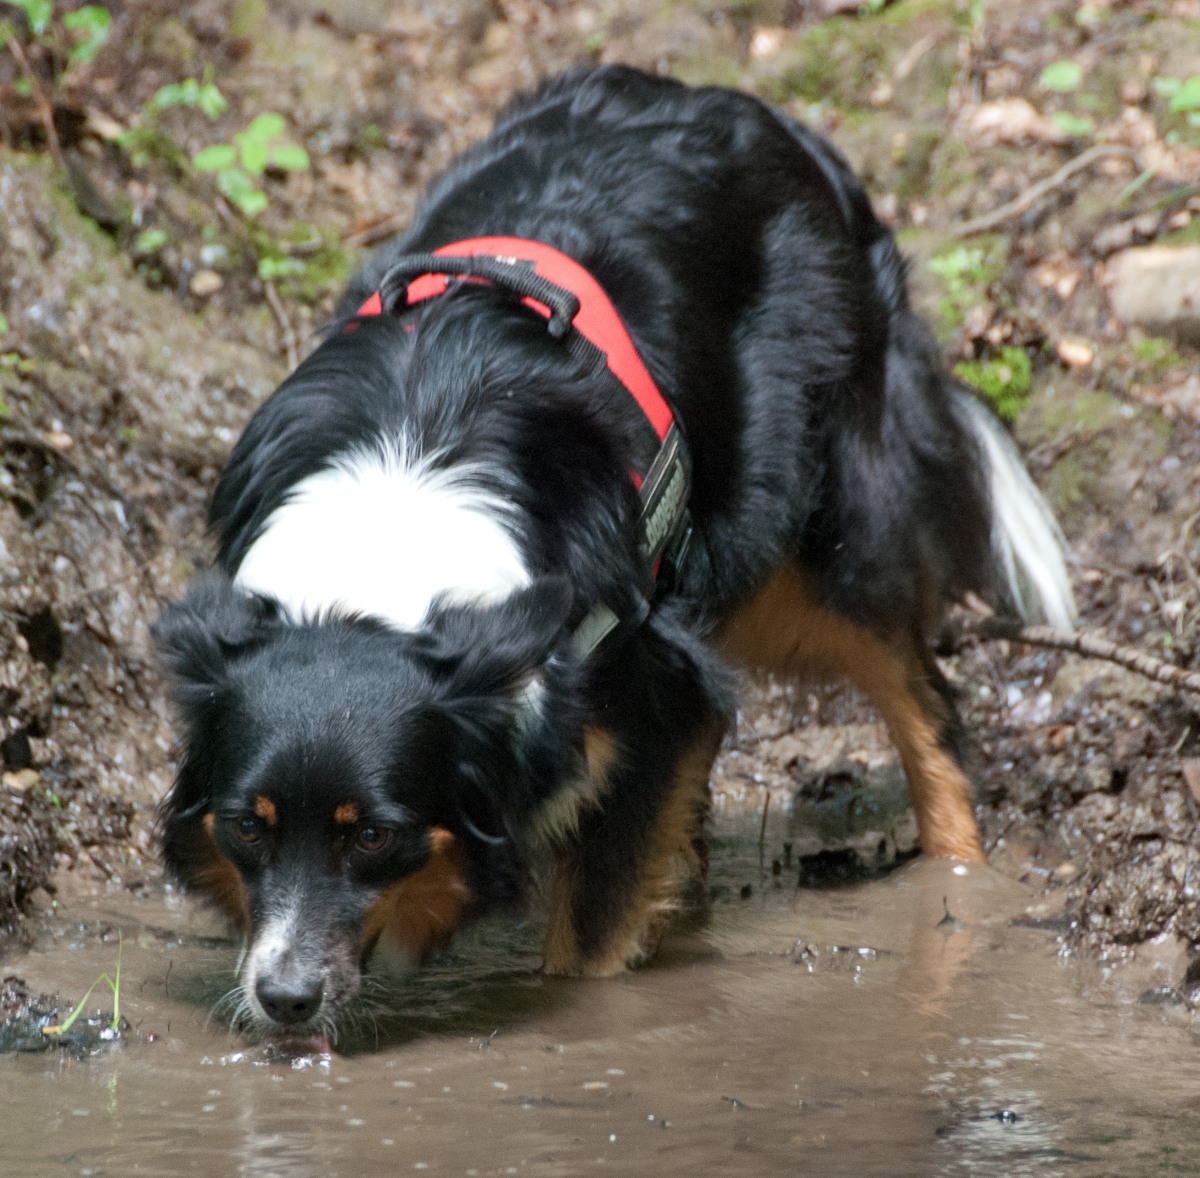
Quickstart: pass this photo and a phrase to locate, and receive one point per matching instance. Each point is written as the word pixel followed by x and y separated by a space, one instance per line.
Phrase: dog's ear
pixel 500 648
pixel 198 636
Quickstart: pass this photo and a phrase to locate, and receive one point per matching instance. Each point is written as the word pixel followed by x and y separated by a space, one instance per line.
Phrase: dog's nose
pixel 290 1000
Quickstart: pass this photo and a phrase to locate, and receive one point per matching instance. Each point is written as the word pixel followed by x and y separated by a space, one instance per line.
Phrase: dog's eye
pixel 246 829
pixel 371 838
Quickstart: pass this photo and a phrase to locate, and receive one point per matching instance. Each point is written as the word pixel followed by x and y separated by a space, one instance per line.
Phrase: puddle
pixel 899 1027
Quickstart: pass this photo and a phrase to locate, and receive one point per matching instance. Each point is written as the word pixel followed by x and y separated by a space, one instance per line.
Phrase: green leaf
pixel 37 13
pixel 265 127
pixel 24 87
pixel 252 153
pixel 1166 86
pixel 1072 125
pixel 1062 76
pixel 211 101
pixel 150 241
pixel 5 409
pixel 272 268
pixel 189 92
pixel 3 325
pixel 241 191
pixel 290 157
pixel 1187 97
pixel 91 22
pixel 174 94
pixel 252 203
pixel 215 158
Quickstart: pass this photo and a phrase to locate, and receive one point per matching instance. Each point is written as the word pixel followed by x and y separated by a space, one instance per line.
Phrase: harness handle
pixel 512 274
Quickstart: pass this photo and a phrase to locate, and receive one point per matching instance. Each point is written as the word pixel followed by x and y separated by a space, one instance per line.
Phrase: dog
pixel 639 398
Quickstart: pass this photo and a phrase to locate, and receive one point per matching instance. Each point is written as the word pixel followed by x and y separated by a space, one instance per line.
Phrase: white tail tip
pixel 1027 543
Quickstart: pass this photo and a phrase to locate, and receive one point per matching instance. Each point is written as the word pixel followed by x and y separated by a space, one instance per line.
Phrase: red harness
pixel 563 292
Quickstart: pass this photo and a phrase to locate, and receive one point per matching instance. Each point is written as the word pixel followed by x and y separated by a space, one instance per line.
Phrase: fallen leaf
pixel 1012 120
pixel 1191 774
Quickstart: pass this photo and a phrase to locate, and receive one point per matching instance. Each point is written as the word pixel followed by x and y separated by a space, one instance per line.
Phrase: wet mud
pixel 921 1024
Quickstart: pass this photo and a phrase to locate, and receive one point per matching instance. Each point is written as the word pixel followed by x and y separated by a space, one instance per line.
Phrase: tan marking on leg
pixel 220 881
pixel 346 814
pixel 783 629
pixel 561 953
pixel 671 862
pixel 558 818
pixel 557 823
pixel 423 911
pixel 265 809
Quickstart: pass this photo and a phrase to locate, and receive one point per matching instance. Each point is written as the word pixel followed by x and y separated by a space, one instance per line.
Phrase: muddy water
pixel 859 1031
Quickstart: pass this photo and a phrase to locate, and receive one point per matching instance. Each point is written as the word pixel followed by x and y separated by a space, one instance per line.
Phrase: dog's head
pixel 344 785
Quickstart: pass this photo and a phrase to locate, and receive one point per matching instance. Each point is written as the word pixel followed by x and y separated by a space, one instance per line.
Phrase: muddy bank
pixel 145 311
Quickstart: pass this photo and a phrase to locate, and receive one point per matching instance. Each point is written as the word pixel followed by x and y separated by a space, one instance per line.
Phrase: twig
pixel 1042 189
pixel 285 324
pixel 45 110
pixel 373 234
pixel 1088 644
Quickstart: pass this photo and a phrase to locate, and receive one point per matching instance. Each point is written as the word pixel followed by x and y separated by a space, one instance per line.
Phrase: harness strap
pixel 564 293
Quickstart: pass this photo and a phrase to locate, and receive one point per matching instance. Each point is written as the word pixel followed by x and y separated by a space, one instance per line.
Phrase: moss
pixel 1088 411
pixel 1156 355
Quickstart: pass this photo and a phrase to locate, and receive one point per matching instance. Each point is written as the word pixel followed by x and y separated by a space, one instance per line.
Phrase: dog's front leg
pixel 618 880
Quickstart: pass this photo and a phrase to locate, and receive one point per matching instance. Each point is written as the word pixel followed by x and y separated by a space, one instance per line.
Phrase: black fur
pixel 770 307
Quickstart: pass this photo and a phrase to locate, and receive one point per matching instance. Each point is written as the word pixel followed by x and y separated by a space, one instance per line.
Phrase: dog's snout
pixel 290 1000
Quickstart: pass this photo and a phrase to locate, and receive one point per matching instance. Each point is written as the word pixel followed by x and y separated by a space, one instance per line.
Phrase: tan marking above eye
pixel 347 814
pixel 265 809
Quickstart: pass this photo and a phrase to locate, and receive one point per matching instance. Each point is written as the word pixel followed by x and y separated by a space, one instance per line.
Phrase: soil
pixel 144 317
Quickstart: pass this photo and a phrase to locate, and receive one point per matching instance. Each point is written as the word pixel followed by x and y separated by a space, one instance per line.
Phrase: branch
pixel 1042 189
pixel 285 324
pixel 44 108
pixel 1088 644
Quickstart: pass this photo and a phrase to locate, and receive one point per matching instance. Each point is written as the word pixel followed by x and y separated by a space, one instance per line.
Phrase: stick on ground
pixel 1090 645
pixel 1031 196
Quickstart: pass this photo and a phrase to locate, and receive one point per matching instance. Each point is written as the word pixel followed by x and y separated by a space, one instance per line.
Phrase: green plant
pixel 201 93
pixel 1062 76
pixel 1183 96
pixel 1075 126
pixel 1006 380
pixel 149 241
pixel 113 983
pixel 966 272
pixel 3 325
pixel 37 14
pixel 90 25
pixel 236 166
pixel 86 28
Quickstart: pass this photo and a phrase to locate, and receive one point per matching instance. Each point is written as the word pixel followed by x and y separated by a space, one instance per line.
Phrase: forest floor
pixel 164 258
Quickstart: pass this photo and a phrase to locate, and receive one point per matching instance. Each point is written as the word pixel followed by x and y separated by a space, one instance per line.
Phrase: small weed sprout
pixel 1006 380
pixel 237 165
pixel 86 32
pixel 114 984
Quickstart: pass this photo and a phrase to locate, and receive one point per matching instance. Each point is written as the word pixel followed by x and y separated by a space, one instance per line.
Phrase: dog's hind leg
pixel 783 628
pixel 623 875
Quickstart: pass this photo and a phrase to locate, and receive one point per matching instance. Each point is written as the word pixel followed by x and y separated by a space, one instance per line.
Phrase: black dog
pixel 484 562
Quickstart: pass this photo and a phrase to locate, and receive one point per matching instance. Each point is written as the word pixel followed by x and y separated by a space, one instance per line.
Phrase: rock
pixel 1074 353
pixel 1157 287
pixel 205 283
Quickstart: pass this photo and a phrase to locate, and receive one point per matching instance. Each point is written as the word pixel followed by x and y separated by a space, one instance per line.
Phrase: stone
pixel 1157 287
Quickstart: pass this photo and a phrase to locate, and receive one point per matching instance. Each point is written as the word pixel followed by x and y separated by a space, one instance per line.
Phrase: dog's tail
pixel 1028 547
